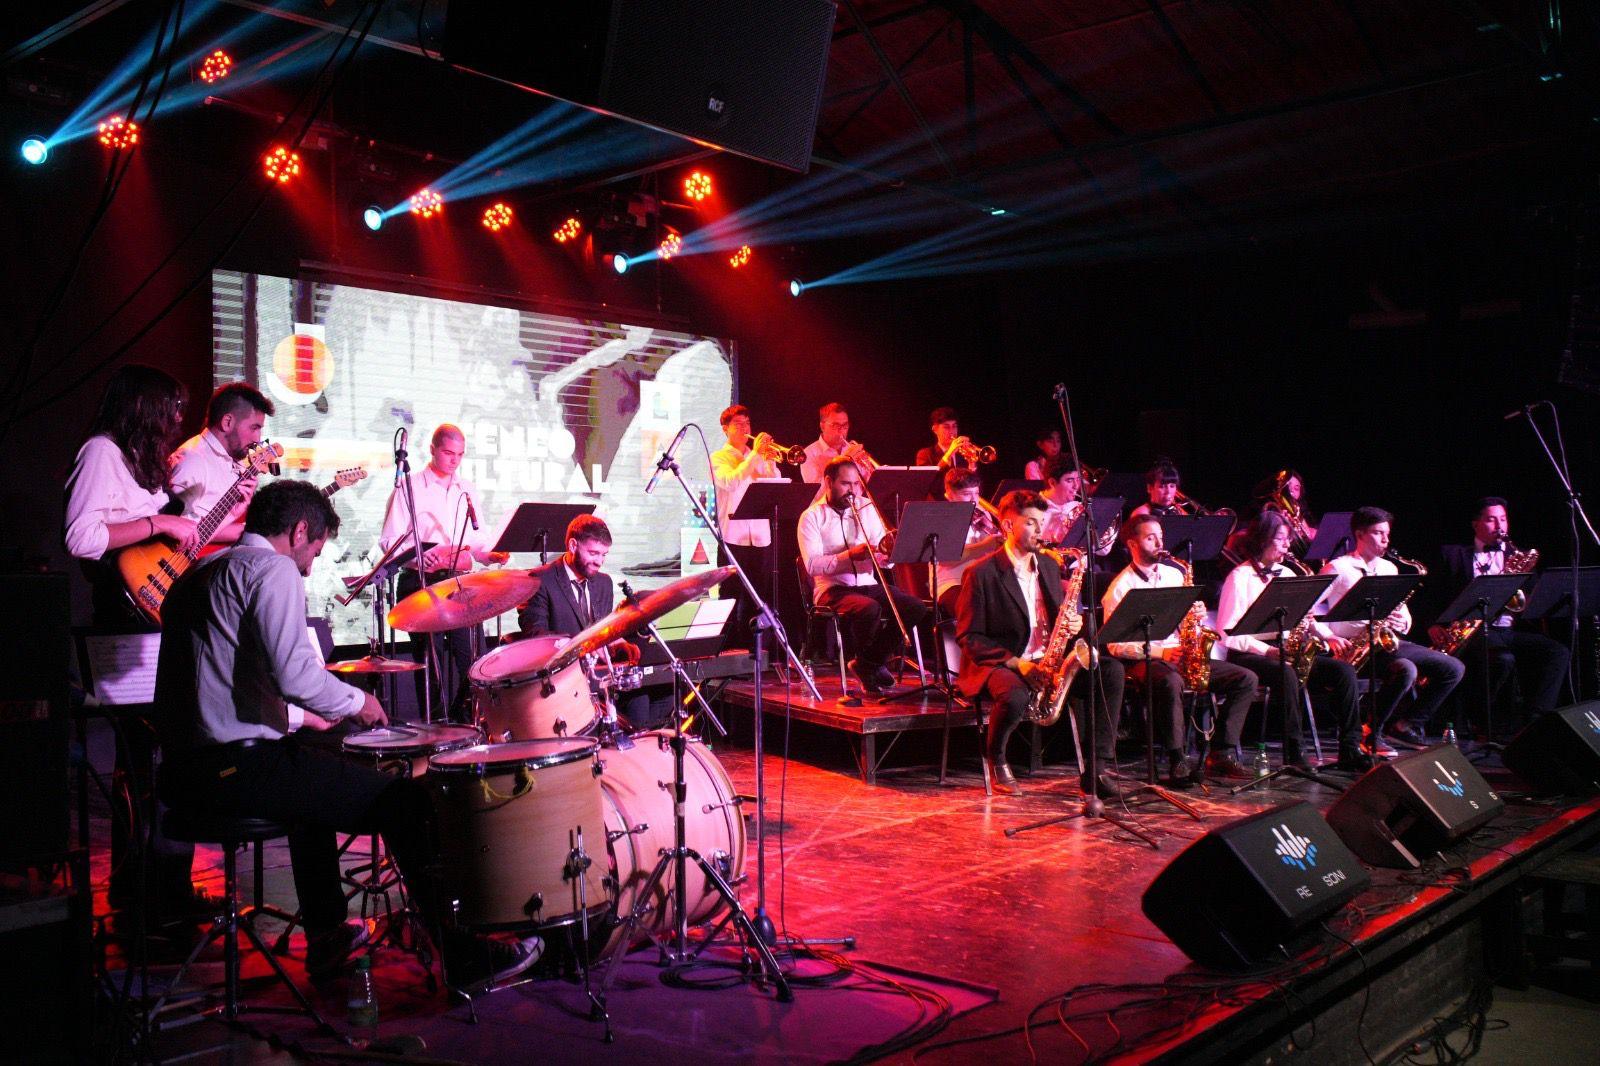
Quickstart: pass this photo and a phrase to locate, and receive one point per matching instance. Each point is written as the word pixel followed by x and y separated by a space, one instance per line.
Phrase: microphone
pixel 666 460
pixel 1518 413
pixel 472 512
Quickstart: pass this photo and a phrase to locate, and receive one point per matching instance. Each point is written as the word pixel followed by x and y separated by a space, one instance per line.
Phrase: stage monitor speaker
pixel 34 719
pixel 1232 897
pixel 1559 751
pixel 742 75
pixel 1404 810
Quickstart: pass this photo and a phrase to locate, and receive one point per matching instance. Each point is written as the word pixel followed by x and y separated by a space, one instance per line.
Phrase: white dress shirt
pixel 818 452
pixel 1026 567
pixel 101 490
pixel 1034 471
pixel 825 536
pixel 1346 571
pixel 234 652
pixel 733 471
pixel 1158 576
pixel 201 471
pixel 1240 589
pixel 1487 561
pixel 948 575
pixel 441 512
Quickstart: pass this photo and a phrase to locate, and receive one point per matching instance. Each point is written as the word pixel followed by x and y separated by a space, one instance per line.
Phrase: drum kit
pixel 552 817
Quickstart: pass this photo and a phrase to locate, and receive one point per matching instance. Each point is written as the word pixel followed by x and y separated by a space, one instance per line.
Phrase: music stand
pixel 1333 538
pixel 1143 617
pixel 1369 599
pixel 780 502
pixel 1106 511
pixel 1282 599
pixel 1128 486
pixel 1011 484
pixel 535 525
pixel 894 486
pixel 1552 595
pixel 1198 538
pixel 1483 598
pixel 932 532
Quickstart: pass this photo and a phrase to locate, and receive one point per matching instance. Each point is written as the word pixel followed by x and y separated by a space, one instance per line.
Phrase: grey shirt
pixel 234 652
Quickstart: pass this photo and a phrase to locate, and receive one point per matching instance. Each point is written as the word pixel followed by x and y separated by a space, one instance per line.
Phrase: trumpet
pixel 778 453
pixel 864 462
pixel 974 454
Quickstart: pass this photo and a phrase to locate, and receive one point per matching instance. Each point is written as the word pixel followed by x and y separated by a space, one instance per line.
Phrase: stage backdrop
pixel 555 409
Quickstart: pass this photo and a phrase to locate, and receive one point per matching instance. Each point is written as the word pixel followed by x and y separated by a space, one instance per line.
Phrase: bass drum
pixel 516 697
pixel 637 791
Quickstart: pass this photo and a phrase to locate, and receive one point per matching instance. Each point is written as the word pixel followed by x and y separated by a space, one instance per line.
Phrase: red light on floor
pixel 497 216
pixel 697 186
pixel 741 257
pixel 217 65
pixel 426 203
pixel 281 165
pixel 119 132
pixel 567 231
pixel 670 247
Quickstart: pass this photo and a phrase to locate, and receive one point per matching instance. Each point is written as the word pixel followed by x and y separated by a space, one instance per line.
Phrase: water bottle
pixel 1450 734
pixel 1261 765
pixel 363 1003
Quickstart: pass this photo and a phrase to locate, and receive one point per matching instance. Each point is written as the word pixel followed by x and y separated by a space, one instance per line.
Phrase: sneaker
pixel 1382 750
pixel 479 961
pixel 1225 766
pixel 1403 735
pixel 327 953
pixel 1181 770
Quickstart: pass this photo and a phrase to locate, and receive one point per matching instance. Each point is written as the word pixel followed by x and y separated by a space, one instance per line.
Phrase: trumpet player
pixel 1539 662
pixel 949 447
pixel 834 422
pixel 1161 491
pixel 1401 668
pixel 1233 686
pixel 842 539
pixel 983 536
pixel 1266 551
pixel 734 466
pixel 1008 604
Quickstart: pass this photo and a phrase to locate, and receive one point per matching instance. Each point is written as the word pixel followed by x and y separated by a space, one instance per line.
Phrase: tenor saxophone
pixel 1062 658
pixel 1457 633
pixel 1195 638
pixel 1302 645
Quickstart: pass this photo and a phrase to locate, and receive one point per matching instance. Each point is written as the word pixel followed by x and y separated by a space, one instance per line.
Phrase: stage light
pixel 997 211
pixel 568 230
pixel 372 217
pixel 217 65
pixel 35 151
pixel 281 165
pixel 796 286
pixel 119 132
pixel 620 263
pixel 741 257
pixel 697 186
pixel 426 203
pixel 670 246
pixel 497 216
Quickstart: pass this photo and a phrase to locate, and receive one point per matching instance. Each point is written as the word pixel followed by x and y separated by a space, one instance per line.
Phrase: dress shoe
pixel 1104 786
pixel 1294 756
pixel 1381 749
pixel 883 676
pixel 1402 735
pixel 1002 777
pixel 866 676
pixel 1224 765
pixel 1180 770
pixel 1355 761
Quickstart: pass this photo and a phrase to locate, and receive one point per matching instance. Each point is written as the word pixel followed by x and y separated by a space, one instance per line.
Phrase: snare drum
pixel 511 819
pixel 409 746
pixel 637 786
pixel 517 698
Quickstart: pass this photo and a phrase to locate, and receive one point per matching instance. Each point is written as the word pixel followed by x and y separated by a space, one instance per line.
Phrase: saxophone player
pixel 1266 551
pixel 1541 663
pixel 1007 606
pixel 1399 669
pixel 1233 686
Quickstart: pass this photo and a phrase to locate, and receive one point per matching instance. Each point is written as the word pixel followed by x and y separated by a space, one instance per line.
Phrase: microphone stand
pixel 402 484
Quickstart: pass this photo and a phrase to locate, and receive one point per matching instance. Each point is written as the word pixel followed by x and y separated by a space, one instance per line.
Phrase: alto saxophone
pixel 1061 663
pixel 1302 645
pixel 1382 635
pixel 1195 638
pixel 1457 633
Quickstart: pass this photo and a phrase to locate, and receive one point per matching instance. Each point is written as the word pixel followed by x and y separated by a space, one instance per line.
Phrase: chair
pixel 816 613
pixel 230 834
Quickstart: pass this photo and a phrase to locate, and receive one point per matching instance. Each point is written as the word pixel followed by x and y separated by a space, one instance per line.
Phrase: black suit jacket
pixel 992 622
pixel 554 608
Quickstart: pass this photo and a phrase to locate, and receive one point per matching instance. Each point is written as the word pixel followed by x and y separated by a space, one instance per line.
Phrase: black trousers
pixel 1008 696
pixel 1539 663
pixel 316 794
pixel 757 563
pixel 454 651
pixel 1233 686
pixel 1400 671
pixel 869 628
pixel 167 883
pixel 1328 675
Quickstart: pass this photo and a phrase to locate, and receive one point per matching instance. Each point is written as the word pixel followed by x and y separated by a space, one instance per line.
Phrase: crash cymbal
pixel 374 664
pixel 631 617
pixel 463 601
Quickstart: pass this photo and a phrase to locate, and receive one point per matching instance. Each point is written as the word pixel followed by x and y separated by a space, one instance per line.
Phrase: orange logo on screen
pixel 303 365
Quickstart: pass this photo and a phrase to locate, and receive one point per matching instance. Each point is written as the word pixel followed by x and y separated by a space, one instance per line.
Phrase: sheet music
pixel 122 667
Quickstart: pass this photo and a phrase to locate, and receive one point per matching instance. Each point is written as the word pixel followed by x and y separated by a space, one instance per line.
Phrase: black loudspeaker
pixel 744 75
pixel 1559 751
pixel 1403 811
pixel 34 719
pixel 1230 898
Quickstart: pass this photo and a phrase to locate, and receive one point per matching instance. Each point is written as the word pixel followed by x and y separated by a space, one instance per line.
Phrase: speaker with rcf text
pixel 1403 811
pixel 1231 898
pixel 1559 751
pixel 742 75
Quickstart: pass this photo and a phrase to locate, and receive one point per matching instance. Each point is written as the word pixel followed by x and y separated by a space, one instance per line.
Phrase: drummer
pixel 446 508
pixel 574 592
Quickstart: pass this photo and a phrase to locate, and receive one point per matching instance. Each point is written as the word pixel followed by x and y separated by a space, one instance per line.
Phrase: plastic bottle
pixel 363 1002
pixel 1261 764
pixel 1450 734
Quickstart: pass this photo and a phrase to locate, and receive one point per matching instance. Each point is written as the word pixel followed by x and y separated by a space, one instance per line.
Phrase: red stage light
pixel 217 65
pixel 497 216
pixel 741 257
pixel 281 165
pixel 697 186
pixel 426 203
pixel 671 246
pixel 568 230
pixel 119 132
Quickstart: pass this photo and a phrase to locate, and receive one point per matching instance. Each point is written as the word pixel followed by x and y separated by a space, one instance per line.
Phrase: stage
pixel 1045 924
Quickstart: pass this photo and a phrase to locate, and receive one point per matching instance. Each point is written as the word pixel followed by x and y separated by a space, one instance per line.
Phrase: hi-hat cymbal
pixel 463 601
pixel 374 664
pixel 631 617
